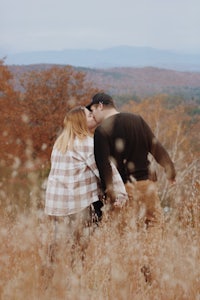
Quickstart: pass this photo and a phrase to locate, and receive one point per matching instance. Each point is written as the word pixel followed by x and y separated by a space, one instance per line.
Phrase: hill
pixel 146 81
pixel 132 82
pixel 122 56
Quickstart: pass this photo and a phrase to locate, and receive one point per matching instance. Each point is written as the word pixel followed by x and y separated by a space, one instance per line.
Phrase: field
pixel 107 261
pixel 41 259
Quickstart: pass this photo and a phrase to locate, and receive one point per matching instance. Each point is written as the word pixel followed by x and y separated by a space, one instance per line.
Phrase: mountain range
pixel 122 56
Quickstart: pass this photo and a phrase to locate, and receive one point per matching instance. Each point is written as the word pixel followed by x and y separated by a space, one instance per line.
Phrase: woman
pixel 73 182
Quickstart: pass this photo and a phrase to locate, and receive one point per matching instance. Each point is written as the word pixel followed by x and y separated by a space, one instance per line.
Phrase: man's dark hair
pixel 101 98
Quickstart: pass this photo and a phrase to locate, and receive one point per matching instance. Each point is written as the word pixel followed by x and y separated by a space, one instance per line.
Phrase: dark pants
pixel 97 210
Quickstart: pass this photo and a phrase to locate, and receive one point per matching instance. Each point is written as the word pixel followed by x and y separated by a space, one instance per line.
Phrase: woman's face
pixel 91 123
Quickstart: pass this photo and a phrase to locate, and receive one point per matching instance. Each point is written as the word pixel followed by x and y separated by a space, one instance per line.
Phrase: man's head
pixel 101 98
pixel 102 106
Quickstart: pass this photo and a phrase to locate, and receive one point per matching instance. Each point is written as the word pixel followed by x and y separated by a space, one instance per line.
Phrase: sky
pixel 35 25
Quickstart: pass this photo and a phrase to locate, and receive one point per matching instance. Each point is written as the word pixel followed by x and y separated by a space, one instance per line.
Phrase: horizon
pixel 100 49
pixel 119 56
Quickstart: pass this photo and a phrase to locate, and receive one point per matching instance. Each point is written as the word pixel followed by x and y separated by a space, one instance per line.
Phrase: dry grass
pixel 36 266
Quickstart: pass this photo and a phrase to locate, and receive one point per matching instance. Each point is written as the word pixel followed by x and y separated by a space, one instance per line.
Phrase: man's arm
pixel 162 157
pixel 160 154
pixel 102 158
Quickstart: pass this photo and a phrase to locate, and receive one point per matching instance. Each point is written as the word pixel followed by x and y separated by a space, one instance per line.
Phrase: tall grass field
pixel 40 259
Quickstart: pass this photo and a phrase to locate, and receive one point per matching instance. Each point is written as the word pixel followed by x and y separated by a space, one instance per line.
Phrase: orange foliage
pixel 48 95
pixel 31 120
pixel 10 121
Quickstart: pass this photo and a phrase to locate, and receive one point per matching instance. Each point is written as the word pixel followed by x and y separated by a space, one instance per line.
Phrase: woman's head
pixel 81 121
pixel 91 122
pixel 78 122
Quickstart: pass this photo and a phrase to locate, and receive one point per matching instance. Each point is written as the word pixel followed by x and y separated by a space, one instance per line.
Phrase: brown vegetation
pixel 36 264
pixel 34 116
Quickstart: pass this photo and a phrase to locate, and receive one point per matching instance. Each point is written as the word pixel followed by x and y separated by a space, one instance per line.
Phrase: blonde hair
pixel 75 125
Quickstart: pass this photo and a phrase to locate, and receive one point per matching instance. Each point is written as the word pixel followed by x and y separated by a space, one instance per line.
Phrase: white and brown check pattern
pixel 73 182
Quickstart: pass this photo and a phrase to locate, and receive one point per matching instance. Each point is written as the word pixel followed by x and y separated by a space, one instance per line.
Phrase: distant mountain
pixel 132 82
pixel 123 56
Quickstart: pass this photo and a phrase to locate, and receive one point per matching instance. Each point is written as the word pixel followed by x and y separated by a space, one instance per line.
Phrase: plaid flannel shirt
pixel 73 182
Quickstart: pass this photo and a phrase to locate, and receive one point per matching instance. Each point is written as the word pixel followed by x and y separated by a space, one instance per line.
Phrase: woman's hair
pixel 75 125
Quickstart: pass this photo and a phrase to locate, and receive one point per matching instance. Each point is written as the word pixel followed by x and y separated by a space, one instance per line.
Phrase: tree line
pixel 32 118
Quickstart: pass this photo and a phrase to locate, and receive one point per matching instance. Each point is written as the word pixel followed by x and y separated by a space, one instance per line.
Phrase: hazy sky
pixel 29 25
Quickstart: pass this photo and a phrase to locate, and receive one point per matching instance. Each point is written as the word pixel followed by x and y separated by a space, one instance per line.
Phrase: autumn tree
pixel 10 122
pixel 32 118
pixel 48 95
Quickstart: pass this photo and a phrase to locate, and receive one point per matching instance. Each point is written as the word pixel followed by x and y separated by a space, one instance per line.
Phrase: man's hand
pixel 120 201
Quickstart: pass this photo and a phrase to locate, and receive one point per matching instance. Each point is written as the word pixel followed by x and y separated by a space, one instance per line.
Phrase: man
pixel 126 139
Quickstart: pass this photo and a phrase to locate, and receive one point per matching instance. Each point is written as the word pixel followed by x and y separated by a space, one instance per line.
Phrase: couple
pixel 86 167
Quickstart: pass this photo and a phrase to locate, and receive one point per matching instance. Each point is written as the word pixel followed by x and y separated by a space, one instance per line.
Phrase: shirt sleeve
pixel 85 153
pixel 159 152
pixel 118 184
pixel 102 158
